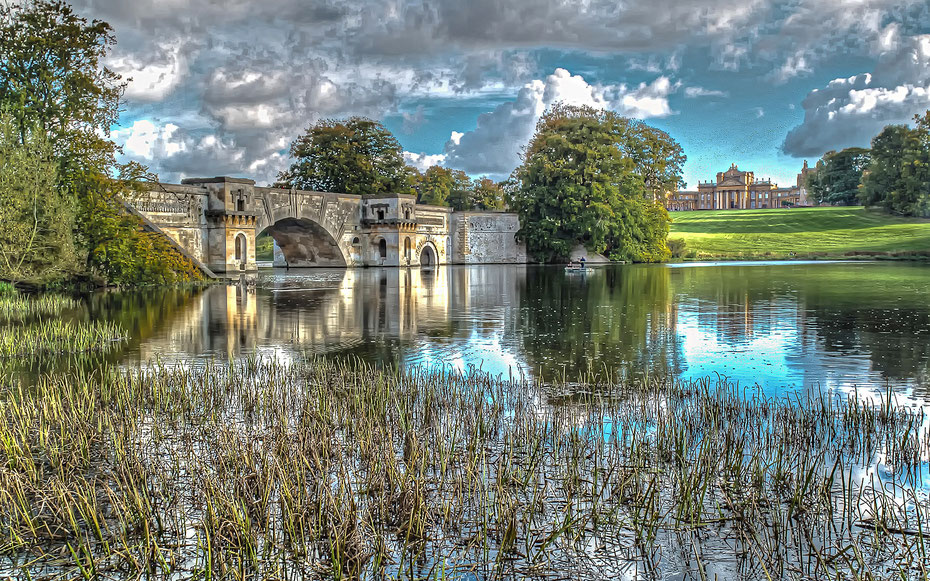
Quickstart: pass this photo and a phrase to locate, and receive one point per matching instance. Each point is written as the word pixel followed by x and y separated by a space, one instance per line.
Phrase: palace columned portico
pixel 739 190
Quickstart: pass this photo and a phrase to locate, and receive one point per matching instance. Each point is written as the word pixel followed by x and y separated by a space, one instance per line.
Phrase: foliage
pixel 52 79
pixel 119 248
pixel 659 158
pixel 677 247
pixel 442 186
pixel 898 178
pixel 837 177
pixel 587 177
pixel 354 156
pixel 487 195
pixel 264 247
pixel 36 244
pixel 51 74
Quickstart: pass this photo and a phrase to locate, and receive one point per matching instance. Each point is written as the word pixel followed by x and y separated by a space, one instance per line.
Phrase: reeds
pixel 18 307
pixel 340 470
pixel 57 337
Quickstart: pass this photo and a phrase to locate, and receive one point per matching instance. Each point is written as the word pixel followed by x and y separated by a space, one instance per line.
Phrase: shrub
pixel 677 247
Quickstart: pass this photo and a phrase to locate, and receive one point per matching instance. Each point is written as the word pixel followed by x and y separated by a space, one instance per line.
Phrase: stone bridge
pixel 215 222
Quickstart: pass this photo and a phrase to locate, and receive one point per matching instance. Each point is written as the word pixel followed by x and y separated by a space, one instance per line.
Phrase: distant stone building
pixel 739 190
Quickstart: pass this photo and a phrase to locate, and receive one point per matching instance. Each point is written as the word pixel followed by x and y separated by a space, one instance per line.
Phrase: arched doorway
pixel 382 249
pixel 427 256
pixel 407 253
pixel 241 248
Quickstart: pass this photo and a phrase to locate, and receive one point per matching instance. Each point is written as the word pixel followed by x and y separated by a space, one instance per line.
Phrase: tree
pixel 441 186
pixel 487 195
pixel 52 79
pixel 355 156
pixel 838 175
pixel 36 244
pixel 916 168
pixel 588 178
pixel 896 177
pixel 659 158
pixel 54 86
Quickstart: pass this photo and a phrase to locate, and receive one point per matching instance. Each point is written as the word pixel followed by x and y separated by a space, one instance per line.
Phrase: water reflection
pixel 832 325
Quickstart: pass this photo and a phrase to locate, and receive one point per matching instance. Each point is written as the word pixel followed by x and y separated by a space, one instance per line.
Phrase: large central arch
pixel 306 243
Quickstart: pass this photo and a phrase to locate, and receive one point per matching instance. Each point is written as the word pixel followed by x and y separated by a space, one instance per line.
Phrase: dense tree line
pixel 61 187
pixel 894 174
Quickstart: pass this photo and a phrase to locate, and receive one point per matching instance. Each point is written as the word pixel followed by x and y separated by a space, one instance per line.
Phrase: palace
pixel 739 190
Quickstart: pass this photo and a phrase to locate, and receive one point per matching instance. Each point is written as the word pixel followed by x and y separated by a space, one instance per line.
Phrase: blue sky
pixel 222 87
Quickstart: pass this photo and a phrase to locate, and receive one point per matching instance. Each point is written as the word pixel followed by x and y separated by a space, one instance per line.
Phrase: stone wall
pixel 486 238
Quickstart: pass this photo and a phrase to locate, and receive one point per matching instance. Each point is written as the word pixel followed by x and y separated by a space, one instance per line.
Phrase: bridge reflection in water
pixel 443 316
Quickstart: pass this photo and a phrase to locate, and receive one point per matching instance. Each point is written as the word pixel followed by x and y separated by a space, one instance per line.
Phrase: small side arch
pixel 242 248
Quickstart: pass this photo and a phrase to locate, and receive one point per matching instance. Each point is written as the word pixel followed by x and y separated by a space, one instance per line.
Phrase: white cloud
pixel 144 140
pixel 154 77
pixel 850 111
pixel 695 92
pixel 493 147
pixel 423 161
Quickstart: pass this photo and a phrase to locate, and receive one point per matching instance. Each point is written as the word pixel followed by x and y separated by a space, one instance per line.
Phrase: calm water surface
pixel 784 325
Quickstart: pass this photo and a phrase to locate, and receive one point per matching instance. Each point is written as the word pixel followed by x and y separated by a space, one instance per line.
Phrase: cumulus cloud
pixel 493 147
pixel 850 111
pixel 153 76
pixel 423 161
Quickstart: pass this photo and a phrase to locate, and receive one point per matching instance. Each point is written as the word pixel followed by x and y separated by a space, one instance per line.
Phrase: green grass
pixel 264 247
pixel 800 233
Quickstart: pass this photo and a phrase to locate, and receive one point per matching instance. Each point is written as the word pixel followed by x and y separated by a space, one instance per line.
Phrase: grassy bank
pixel 800 233
pixel 321 470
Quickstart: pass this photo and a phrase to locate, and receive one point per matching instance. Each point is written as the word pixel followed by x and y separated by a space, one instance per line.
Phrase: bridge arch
pixel 305 243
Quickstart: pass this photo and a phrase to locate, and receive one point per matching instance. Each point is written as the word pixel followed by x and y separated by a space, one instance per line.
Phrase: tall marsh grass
pixel 18 307
pixel 56 337
pixel 322 469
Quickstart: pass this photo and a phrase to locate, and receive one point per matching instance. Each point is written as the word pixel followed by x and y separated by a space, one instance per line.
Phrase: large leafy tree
pixel 442 186
pixel 487 194
pixel 838 175
pixel 53 84
pixel 588 177
pixel 52 78
pixel 898 177
pixel 351 156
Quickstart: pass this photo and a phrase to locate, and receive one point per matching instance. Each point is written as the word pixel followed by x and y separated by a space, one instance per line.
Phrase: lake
pixel 784 325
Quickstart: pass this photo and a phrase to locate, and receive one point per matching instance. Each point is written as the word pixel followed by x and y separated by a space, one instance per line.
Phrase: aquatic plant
pixel 56 337
pixel 337 469
pixel 18 307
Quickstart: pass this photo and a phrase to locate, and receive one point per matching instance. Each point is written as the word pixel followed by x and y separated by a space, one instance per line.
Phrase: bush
pixel 677 247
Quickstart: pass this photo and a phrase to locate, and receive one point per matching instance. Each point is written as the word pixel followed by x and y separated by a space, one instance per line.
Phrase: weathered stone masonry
pixel 215 221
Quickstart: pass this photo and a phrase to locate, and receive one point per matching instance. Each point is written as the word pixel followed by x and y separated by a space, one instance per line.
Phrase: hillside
pixel 799 233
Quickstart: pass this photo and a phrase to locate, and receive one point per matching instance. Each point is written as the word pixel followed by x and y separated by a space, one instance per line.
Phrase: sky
pixel 222 87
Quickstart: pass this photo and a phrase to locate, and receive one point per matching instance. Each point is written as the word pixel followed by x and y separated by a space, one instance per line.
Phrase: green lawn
pixel 798 232
pixel 264 247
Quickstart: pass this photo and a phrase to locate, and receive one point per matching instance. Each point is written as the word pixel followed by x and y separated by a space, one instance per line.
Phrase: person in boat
pixel 582 261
